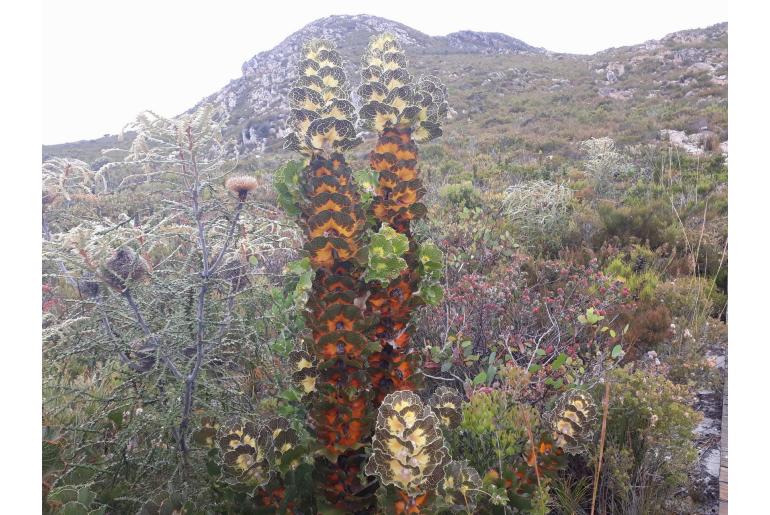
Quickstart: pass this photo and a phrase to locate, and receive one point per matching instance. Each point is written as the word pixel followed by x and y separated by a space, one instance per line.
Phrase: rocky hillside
pixel 257 103
pixel 502 89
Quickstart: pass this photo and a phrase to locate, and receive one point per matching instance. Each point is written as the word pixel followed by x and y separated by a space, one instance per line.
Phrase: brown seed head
pixel 241 185
pixel 124 265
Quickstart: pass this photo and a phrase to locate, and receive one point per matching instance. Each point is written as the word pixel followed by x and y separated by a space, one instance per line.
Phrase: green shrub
pixel 462 194
pixel 690 298
pixel 649 443
pixel 646 221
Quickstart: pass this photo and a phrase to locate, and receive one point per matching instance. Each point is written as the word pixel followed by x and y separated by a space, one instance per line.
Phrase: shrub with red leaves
pixel 525 306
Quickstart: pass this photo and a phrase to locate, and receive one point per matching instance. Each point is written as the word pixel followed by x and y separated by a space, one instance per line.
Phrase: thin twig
pixel 146 329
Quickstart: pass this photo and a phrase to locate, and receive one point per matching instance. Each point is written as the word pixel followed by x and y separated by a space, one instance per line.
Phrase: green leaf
pixel 384 254
pixel 298 267
pixel 431 260
pixel 286 183
pixel 287 410
pixel 52 459
pixel 302 269
pixel 400 243
pixel 612 333
pixel 116 416
pixel 366 179
pixel 534 369
pixel 432 293
pixel 74 508
pixel 617 351
pixel 491 373
pixel 291 395
pixel 205 193
pixel 559 361
pixel 540 352
pixel 80 474
pixel 592 316
pixel 86 497
pixel 282 346
pixel 480 378
pixel 63 494
pixel 212 468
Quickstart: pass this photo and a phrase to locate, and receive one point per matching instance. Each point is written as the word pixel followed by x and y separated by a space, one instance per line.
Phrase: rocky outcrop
pixel 488 43
pixel 696 143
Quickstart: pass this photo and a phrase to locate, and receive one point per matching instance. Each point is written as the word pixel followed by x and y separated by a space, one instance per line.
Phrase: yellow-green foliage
pixel 497 416
pixel 641 284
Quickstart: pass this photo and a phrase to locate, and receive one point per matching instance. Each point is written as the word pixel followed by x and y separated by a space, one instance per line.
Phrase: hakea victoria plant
pixel 368 272
pixel 402 114
pixel 331 365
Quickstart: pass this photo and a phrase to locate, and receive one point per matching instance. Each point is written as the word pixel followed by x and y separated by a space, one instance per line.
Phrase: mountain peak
pixel 347 32
pixel 337 24
pixel 352 32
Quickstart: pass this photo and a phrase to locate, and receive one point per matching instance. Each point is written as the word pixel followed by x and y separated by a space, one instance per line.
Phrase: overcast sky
pixel 105 61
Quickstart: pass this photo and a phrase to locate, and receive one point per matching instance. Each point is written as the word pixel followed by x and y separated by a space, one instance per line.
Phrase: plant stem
pixel 605 406
pixel 190 379
pixel 146 330
pixel 230 232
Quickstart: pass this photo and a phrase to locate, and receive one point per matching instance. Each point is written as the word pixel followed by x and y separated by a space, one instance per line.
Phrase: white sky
pixel 105 61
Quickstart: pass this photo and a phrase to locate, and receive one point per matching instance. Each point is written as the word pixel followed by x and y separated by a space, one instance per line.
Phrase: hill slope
pixel 502 89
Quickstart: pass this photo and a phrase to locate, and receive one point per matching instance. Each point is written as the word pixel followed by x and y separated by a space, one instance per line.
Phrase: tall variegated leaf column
pixel 331 368
pixel 402 113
